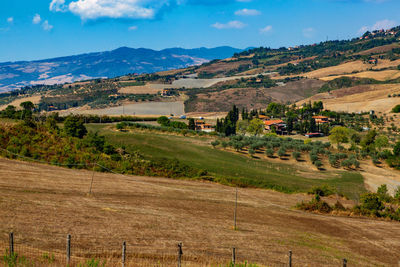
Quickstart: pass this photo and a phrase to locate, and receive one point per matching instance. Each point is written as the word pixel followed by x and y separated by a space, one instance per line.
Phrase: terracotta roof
pixel 320 117
pixel 272 122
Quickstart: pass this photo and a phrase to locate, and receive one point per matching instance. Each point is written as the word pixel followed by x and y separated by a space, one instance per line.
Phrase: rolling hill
pixel 107 64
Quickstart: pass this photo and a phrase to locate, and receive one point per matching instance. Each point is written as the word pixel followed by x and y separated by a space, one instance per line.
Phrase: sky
pixel 41 29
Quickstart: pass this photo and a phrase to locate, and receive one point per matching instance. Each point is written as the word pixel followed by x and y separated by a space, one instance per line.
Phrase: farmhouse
pixel 277 126
pixel 202 126
pixel 321 119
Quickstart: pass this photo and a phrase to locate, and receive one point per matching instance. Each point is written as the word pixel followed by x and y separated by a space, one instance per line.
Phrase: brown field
pixel 34 99
pixel 42 204
pixel 379 49
pixel 222 66
pixel 146 89
pixel 383 75
pixel 348 67
pixel 359 98
pixel 254 98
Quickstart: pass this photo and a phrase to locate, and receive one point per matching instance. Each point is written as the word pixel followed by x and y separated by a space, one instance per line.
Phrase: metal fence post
pixel 68 249
pixel 11 238
pixel 290 258
pixel 344 263
pixel 180 252
pixel 123 253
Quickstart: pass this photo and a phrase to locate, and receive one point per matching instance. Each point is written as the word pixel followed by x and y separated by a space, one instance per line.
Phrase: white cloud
pixel 308 32
pixel 379 25
pixel 36 19
pixel 266 29
pixel 10 20
pixel 47 26
pixel 132 28
pixel 234 24
pixel 247 12
pixel 132 9
pixel 58 6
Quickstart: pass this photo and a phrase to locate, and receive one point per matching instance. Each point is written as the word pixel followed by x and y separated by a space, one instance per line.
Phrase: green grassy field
pixel 228 167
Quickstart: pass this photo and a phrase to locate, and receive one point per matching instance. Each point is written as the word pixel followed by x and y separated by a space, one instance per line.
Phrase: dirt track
pixel 41 204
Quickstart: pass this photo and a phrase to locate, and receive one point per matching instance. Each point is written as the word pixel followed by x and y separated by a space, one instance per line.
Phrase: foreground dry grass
pixel 42 204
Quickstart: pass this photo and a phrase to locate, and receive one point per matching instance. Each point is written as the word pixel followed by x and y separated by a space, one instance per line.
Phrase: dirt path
pixel 41 204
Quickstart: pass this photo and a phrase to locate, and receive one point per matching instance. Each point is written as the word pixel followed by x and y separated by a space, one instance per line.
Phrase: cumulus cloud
pixel 132 28
pixel 266 29
pixel 247 12
pixel 36 19
pixel 47 26
pixel 10 20
pixel 125 9
pixel 58 6
pixel 379 25
pixel 234 24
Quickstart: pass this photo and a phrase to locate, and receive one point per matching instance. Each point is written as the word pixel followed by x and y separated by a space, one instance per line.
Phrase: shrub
pixel 396 109
pixel 318 164
pixel 281 152
pixel 296 155
pixel 251 152
pixel 215 143
pixel 322 191
pixel 269 152
pixel 316 204
pixel 313 157
pixel 371 202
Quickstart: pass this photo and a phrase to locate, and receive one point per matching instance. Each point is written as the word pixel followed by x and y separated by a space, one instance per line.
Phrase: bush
pixel 322 191
pixel 296 155
pixel 281 152
pixel 371 202
pixel 396 109
pixel 313 157
pixel 215 143
pixel 269 152
pixel 251 152
pixel 318 164
pixel 316 204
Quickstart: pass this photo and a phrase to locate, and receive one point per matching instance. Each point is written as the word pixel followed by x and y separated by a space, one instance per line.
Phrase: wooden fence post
pixel 68 249
pixel 290 258
pixel 344 263
pixel 180 252
pixel 233 256
pixel 235 212
pixel 123 253
pixel 11 237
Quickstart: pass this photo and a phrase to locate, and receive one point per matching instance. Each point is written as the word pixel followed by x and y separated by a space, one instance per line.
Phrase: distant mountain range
pixel 107 64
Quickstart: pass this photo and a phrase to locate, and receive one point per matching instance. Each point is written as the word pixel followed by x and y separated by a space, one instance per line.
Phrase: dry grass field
pixel 42 204
pixel 383 75
pixel 359 98
pixel 34 99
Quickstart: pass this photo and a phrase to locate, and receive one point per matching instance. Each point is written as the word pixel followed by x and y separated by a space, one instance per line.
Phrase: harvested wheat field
pixel 42 204
pixel 383 75
pixel 362 98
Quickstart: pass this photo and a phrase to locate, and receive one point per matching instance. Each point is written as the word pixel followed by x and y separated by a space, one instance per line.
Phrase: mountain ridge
pixel 105 64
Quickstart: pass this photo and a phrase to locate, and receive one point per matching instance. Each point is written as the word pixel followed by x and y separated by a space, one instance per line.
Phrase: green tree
pixel 367 142
pixel 163 121
pixel 256 127
pixel 241 127
pixel 371 202
pixel 10 111
pixel 396 149
pixel 339 135
pixel 381 141
pixel 191 125
pixel 74 126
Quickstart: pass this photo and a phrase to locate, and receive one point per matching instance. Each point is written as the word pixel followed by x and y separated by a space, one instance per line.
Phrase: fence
pixel 20 253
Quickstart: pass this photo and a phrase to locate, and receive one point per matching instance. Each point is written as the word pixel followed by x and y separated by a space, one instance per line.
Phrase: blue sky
pixel 49 28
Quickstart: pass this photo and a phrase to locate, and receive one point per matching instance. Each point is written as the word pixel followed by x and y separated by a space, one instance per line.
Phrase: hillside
pixel 250 79
pixel 107 64
pixel 153 214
